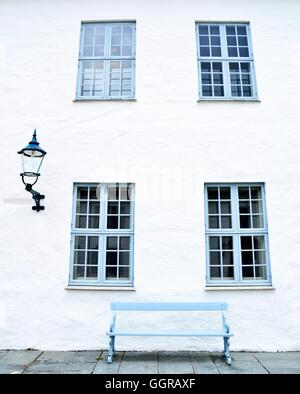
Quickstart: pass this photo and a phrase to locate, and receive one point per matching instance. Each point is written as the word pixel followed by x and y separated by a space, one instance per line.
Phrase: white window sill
pixel 77 100
pixel 222 288
pixel 103 288
pixel 224 100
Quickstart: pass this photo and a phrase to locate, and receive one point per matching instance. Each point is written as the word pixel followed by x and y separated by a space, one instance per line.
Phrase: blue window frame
pixel 106 67
pixel 102 235
pixel 225 61
pixel 237 250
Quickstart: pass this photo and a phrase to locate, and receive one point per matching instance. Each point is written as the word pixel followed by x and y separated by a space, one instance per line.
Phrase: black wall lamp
pixel 32 158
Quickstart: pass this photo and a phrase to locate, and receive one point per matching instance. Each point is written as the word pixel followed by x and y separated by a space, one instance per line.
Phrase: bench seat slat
pixel 171 333
pixel 169 306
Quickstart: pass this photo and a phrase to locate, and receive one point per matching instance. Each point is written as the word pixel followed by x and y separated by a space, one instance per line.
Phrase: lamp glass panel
pixel 32 164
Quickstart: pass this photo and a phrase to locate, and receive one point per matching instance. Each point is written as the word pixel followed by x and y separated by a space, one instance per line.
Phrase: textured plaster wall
pixel 165 142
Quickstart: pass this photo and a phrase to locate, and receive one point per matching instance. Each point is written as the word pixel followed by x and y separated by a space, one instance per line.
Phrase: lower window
pixel 102 235
pixel 236 235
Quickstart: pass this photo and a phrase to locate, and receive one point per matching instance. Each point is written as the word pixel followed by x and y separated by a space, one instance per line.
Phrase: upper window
pixel 236 235
pixel 225 61
pixel 102 235
pixel 106 68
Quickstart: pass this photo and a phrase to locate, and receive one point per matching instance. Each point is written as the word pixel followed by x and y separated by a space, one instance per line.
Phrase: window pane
pixel 260 258
pixel 113 207
pixel 124 258
pixel 214 222
pixel 232 52
pixel 124 243
pixel 231 41
pixel 206 91
pixel 243 52
pixel 225 221
pixel 241 30
pixel 244 193
pixel 261 272
pixel 81 207
pixel 204 51
pixel 246 243
pixel 230 30
pixel 112 243
pixel 93 221
pixel 92 258
pixel 256 193
pixel 218 91
pixel 203 29
pixel 227 258
pixel 216 51
pixel 124 272
pixel 214 30
pixel 111 272
pixel 227 243
pixel 125 193
pixel 213 207
pixel 245 221
pixel 81 221
pixel 225 207
pixel 247 258
pixel 214 243
pixel 215 272
pixel 215 258
pixel 244 206
pixel 94 207
pixel 205 67
pixel 92 272
pixel 93 243
pixel 111 258
pixel 94 193
pixel 80 242
pixel 225 193
pixel 78 272
pixel 124 222
pixel 215 40
pixel 204 40
pixel 248 272
pixel 82 193
pixel 112 222
pixel 228 272
pixel 125 207
pixel 79 257
pixel 212 193
pixel 259 242
pixel 258 221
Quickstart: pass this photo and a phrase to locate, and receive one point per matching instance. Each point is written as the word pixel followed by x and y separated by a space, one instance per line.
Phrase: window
pixel 236 235
pixel 106 68
pixel 102 235
pixel 225 61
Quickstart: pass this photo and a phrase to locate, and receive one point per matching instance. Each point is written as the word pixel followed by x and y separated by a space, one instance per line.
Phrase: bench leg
pixel 111 350
pixel 226 350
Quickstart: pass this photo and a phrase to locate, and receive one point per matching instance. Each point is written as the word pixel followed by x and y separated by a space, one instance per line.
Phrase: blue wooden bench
pixel 164 306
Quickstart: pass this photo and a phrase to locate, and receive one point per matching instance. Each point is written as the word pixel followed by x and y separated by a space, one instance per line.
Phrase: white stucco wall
pixel 168 145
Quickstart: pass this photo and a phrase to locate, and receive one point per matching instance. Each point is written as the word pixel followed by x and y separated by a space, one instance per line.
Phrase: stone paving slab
pixel 60 368
pixel 11 369
pixel 175 363
pixel 103 368
pixel 70 357
pixel 139 363
pixel 280 363
pixel 241 364
pixel 18 357
pixel 202 363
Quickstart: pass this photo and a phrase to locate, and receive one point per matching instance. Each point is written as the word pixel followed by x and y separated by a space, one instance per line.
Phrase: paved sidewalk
pixel 94 362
